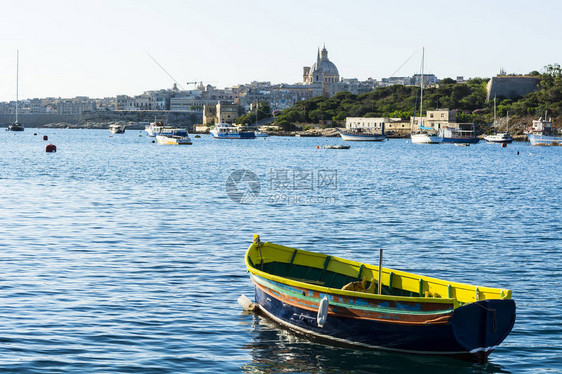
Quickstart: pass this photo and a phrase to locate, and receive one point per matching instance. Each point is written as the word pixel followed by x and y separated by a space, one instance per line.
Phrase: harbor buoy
pixel 50 148
pixel 35 134
pixel 504 145
pixel 45 137
pixel 317 147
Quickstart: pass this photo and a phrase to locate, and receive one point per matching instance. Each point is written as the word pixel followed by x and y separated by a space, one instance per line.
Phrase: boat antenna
pixel 165 71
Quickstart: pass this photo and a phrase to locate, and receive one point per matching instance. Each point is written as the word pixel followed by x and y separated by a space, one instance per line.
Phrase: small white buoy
pixel 246 303
pixel 322 312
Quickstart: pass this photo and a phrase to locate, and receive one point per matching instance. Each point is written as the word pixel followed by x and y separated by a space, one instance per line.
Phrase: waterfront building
pixel 75 106
pixel 437 119
pixel 190 103
pixel 223 112
pixel 365 123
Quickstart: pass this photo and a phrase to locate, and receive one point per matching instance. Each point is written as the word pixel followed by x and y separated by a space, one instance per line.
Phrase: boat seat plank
pixel 315 282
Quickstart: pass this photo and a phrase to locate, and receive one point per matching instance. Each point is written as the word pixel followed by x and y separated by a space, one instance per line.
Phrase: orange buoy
pixel 50 148
pixel 45 137
pixel 317 147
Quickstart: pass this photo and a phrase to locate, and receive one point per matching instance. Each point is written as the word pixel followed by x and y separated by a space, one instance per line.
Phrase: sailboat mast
pixel 421 86
pixel 494 110
pixel 17 81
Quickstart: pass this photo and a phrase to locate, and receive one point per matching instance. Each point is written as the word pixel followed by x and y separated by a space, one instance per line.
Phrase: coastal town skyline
pixel 108 49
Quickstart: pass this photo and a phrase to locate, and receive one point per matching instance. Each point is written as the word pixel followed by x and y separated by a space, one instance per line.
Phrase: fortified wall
pixel 511 87
pixel 184 119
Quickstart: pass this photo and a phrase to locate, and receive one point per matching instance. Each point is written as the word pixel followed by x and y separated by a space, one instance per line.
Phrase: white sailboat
pixel 500 137
pixel 426 135
pixel 16 126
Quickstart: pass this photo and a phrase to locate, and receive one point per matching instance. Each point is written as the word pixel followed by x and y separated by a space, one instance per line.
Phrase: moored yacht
pixel 425 135
pixel 16 126
pixel 464 133
pixel 362 135
pixel 174 137
pixel 499 137
pixel 154 128
pixel 116 128
pixel 541 133
pixel 227 131
pixel 426 138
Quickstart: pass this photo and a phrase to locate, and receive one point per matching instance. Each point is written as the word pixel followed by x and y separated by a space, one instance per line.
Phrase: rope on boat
pixel 494 319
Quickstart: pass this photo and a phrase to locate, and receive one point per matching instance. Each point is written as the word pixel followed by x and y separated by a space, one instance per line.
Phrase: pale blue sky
pixel 99 48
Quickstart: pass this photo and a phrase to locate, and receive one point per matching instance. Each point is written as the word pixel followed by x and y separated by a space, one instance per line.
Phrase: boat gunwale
pixel 421 299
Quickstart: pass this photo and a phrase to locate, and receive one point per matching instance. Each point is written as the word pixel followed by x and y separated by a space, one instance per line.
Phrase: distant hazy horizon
pixel 101 49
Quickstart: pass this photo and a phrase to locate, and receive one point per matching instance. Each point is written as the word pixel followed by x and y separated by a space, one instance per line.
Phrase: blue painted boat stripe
pixel 363 303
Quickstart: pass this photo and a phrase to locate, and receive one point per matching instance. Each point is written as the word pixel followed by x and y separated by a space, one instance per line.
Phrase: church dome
pixel 324 66
pixel 327 67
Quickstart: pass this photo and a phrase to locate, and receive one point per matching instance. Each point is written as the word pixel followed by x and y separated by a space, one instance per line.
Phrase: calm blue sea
pixel 119 255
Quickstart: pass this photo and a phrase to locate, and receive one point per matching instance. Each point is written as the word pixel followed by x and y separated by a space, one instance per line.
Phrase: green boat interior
pixel 330 279
pixel 321 270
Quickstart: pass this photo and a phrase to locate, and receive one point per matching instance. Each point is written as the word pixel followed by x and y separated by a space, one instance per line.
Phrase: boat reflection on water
pixel 278 350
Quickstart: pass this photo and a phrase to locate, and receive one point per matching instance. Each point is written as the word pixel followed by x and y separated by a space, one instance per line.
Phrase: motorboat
pixel 228 131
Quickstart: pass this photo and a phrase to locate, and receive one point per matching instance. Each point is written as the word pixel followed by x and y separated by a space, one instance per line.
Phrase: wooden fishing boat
pixel 340 301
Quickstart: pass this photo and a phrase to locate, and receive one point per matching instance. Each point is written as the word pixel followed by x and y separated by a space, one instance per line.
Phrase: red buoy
pixel 504 145
pixel 50 148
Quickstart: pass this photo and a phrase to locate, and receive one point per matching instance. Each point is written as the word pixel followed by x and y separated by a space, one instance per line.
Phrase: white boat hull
pixel 363 137
pixel 499 138
pixel 545 140
pixel 426 139
pixel 173 140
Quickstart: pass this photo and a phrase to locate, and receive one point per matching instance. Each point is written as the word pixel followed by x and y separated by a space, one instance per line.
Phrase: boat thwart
pixel 413 313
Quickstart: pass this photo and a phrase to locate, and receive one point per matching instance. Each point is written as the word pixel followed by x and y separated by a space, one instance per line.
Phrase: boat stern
pixel 481 326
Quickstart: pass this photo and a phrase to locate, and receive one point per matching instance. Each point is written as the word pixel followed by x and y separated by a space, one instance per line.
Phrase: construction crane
pixel 200 83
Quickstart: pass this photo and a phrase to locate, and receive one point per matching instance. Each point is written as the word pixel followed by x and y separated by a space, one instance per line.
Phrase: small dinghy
pixel 367 306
